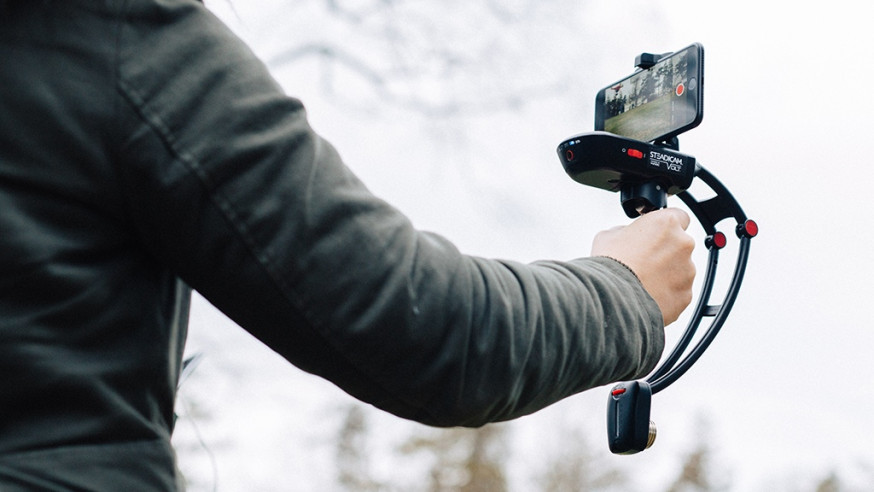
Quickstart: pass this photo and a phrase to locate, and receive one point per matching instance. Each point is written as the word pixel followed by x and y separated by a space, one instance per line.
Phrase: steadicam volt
pixel 645 174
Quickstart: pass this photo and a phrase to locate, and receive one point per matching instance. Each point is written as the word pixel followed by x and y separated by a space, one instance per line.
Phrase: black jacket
pixel 144 149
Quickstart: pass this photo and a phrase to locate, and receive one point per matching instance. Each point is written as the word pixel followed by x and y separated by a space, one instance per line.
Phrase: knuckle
pixel 690 241
pixel 675 216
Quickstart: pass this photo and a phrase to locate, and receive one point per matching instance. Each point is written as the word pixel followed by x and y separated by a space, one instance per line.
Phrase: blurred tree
pixel 464 460
pixel 830 483
pixel 693 475
pixel 575 468
pixel 351 452
pixel 697 473
pixel 440 59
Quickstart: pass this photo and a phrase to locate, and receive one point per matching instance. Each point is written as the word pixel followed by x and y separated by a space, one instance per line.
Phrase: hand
pixel 659 251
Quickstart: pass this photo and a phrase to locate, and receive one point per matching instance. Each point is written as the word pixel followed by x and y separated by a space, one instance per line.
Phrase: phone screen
pixel 656 103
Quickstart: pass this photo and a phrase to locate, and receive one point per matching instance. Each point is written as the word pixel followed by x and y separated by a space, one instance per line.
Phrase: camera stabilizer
pixel 645 174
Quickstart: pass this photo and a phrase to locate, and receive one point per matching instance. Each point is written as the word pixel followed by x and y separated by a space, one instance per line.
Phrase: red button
pixel 717 240
pixel 749 229
pixel 635 153
pixel 618 391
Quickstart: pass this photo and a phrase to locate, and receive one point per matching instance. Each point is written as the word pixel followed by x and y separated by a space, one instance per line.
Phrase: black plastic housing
pixel 628 423
pixel 608 161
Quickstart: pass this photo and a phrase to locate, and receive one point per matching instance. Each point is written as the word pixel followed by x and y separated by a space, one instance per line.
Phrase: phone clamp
pixel 647 60
pixel 645 174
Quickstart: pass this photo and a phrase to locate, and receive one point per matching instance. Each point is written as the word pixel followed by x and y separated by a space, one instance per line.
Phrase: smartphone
pixel 656 103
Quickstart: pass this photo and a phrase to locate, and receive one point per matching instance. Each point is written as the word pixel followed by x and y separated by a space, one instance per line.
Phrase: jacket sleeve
pixel 231 189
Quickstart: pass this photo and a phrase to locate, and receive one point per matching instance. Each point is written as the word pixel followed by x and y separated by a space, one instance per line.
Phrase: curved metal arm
pixel 709 213
pixel 697 316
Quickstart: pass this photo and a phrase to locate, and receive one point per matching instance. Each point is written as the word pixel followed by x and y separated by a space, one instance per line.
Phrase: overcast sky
pixel 787 387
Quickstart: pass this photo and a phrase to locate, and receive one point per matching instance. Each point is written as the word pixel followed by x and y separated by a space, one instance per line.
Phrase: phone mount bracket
pixel 645 174
pixel 647 60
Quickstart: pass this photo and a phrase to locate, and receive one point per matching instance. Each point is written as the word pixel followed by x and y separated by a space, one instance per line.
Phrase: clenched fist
pixel 658 250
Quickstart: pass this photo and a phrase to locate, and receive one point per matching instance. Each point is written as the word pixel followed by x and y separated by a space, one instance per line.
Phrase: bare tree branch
pixel 418 57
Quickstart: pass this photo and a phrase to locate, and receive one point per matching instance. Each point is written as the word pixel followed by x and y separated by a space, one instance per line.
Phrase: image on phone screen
pixel 655 103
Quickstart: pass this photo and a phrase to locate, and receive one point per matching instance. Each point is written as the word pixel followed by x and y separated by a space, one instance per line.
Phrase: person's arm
pixel 230 187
